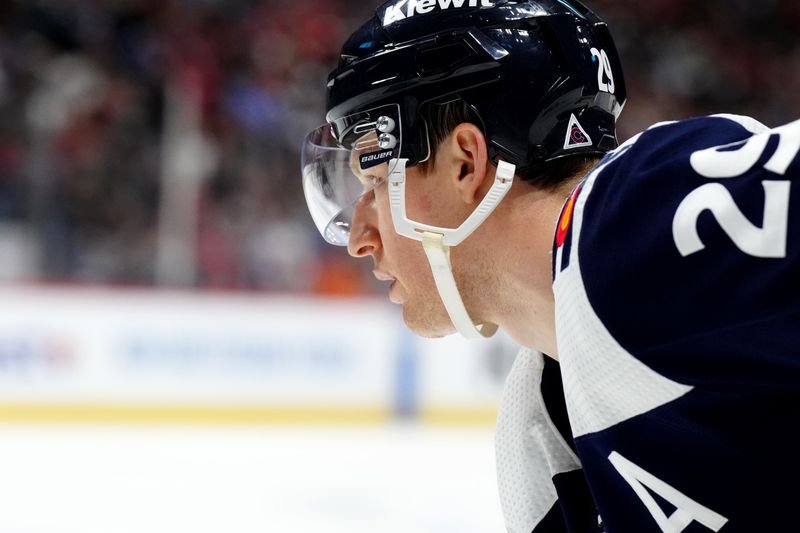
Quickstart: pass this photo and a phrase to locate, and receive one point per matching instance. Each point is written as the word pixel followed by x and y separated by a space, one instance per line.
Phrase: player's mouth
pixel 380 275
pixel 385 276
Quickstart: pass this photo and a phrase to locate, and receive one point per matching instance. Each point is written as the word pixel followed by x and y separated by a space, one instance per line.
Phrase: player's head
pixel 539 81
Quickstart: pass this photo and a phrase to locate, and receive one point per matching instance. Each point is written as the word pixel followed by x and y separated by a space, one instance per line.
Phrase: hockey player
pixel 470 152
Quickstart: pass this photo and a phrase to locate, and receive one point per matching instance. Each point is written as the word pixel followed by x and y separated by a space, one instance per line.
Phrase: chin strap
pixel 438 241
pixel 439 258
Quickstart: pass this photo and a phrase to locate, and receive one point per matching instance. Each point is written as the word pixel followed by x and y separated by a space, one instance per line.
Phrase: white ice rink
pixel 391 479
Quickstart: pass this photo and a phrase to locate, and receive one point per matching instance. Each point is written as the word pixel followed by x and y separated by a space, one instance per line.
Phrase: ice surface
pixel 389 479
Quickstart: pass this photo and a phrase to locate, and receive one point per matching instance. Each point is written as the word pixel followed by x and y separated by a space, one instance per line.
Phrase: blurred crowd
pixel 155 142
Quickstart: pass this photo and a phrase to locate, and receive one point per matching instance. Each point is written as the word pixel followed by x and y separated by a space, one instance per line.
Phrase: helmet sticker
pixel 604 71
pixel 576 135
pixel 405 9
pixel 375 158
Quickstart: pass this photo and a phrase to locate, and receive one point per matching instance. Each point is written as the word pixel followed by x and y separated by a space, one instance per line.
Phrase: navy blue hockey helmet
pixel 542 76
pixel 525 67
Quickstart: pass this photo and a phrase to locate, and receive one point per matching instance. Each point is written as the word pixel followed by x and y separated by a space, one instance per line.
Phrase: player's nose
pixel 364 236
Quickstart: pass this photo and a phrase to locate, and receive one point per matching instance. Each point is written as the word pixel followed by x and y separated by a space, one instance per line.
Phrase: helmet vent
pixel 442 59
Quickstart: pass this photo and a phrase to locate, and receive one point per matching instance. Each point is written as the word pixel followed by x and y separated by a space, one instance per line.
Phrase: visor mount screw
pixel 385 124
pixel 387 141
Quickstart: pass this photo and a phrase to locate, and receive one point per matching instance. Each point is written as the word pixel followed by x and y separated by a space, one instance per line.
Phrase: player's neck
pixel 524 304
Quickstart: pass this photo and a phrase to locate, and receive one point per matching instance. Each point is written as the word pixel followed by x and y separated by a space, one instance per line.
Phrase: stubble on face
pixel 472 281
pixel 424 312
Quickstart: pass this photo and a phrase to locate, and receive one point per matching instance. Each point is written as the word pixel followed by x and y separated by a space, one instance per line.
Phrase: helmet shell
pixel 530 70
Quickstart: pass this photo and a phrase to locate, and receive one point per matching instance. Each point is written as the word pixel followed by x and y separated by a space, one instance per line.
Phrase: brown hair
pixel 442 118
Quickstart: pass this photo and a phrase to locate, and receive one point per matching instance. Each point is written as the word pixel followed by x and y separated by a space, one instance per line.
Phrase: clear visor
pixel 344 160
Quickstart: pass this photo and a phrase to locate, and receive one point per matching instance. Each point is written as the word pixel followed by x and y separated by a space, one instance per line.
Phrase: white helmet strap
pixel 437 241
pixel 439 259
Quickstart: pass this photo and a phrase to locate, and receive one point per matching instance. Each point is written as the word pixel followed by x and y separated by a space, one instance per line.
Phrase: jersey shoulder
pixel 676 314
pixel 689 227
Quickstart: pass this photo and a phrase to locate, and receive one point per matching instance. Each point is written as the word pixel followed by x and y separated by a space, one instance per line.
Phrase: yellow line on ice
pixel 459 417
pixel 138 414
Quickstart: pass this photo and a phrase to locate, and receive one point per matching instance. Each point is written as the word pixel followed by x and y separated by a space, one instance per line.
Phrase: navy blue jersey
pixel 677 285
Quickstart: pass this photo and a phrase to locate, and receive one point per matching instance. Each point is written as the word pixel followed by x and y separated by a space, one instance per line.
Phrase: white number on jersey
pixel 725 162
pixel 768 241
pixel 687 510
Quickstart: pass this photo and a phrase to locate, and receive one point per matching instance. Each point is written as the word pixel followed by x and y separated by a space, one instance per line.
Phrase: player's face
pixel 401 260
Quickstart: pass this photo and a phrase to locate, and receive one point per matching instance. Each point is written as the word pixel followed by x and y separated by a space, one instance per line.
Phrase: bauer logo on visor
pixel 405 9
pixel 374 159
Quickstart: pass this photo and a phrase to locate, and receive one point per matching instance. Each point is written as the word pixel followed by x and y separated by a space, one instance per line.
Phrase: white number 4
pixel 769 240
pixel 687 510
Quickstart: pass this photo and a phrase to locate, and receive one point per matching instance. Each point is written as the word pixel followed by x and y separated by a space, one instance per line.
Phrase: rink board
pixel 135 356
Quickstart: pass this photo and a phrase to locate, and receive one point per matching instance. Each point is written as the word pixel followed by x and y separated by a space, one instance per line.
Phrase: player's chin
pixel 428 325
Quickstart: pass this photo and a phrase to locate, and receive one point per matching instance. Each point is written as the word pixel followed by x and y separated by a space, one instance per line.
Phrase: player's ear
pixel 468 162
